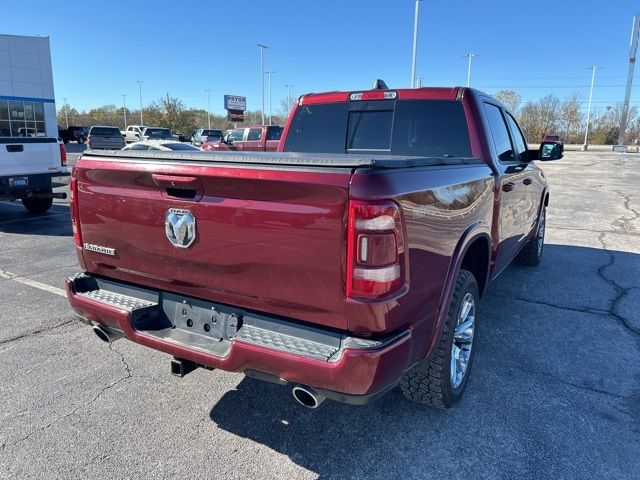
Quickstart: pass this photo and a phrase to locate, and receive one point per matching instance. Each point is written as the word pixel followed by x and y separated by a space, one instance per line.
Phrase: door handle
pixel 507 187
pixel 527 181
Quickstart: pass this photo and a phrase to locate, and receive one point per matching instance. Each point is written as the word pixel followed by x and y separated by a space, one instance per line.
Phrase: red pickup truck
pixel 256 138
pixel 347 263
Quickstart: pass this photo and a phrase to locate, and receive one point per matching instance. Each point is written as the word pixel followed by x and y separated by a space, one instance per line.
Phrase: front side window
pixel 237 135
pixel 499 133
pixel 518 139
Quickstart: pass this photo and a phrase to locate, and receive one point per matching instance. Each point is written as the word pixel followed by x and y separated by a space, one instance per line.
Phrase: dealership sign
pixel 235 107
pixel 233 102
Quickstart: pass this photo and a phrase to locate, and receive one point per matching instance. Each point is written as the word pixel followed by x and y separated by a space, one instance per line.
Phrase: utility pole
pixel 415 44
pixel 288 97
pixel 632 63
pixel 124 110
pixel 262 47
pixel 269 72
pixel 586 131
pixel 66 113
pixel 208 109
pixel 469 56
pixel 140 82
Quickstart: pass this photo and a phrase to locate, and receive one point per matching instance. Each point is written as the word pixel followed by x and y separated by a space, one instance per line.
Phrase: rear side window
pixel 274 133
pixel 105 131
pixel 499 132
pixel 255 134
pixel 429 128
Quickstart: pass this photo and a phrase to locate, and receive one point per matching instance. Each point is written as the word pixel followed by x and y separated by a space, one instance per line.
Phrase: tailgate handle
pixel 180 186
pixel 15 148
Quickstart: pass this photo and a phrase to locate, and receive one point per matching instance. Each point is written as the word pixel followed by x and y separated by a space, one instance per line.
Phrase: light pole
pixel 469 56
pixel 633 47
pixel 288 97
pixel 269 72
pixel 208 110
pixel 586 130
pixel 420 82
pixel 66 112
pixel 262 48
pixel 415 44
pixel 140 82
pixel 124 110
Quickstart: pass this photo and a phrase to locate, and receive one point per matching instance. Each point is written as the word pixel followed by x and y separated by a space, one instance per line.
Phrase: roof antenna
pixel 380 85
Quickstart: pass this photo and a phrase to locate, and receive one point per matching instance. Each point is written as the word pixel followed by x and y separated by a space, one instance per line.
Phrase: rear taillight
pixel 375 249
pixel 75 216
pixel 63 155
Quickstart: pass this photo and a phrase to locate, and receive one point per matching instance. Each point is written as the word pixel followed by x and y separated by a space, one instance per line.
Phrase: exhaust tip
pixel 107 336
pixel 307 397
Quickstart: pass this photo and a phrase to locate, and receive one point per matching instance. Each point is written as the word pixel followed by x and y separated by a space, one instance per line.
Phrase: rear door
pixel 254 141
pixel 274 133
pixel 264 238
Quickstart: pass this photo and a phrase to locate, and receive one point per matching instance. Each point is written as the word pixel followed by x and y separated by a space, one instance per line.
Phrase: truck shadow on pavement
pixel 551 379
pixel 15 219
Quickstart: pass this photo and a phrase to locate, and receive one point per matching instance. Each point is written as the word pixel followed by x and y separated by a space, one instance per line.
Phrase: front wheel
pixel 531 253
pixel 38 204
pixel 440 380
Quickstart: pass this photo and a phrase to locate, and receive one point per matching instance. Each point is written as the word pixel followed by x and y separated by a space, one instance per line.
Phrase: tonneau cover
pixel 285 158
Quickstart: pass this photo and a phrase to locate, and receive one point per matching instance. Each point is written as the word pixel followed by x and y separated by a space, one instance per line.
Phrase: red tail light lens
pixel 63 155
pixel 376 252
pixel 75 217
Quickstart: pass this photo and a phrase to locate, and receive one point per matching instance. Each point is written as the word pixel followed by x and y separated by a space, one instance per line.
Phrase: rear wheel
pixel 531 254
pixel 440 380
pixel 38 205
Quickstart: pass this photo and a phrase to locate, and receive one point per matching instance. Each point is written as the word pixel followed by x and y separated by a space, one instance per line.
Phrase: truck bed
pixel 285 159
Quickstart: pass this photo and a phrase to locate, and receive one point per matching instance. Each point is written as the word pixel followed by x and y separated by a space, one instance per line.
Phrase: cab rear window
pixel 432 128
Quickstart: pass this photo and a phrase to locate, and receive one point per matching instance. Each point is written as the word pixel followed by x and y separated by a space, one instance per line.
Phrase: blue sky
pixel 100 48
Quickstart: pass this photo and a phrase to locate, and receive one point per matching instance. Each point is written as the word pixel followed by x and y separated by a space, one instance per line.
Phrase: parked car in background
pixel 133 133
pixel 161 145
pixel 350 261
pixel 553 137
pixel 184 137
pixel 157 133
pixel 257 138
pixel 205 135
pixel 105 137
pixel 73 134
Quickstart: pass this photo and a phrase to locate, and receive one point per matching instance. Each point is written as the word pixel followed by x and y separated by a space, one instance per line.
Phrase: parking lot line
pixel 32 283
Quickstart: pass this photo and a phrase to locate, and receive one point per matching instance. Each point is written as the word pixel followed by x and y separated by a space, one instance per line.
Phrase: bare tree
pixel 572 119
pixel 510 99
pixel 540 118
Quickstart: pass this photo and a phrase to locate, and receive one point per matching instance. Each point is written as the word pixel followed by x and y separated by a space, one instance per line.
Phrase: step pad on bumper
pixel 286 343
pixel 118 300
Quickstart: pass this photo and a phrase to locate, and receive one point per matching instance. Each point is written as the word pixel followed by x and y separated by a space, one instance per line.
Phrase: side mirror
pixel 550 151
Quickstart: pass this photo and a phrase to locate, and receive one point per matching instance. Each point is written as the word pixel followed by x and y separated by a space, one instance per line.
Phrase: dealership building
pixel 27 105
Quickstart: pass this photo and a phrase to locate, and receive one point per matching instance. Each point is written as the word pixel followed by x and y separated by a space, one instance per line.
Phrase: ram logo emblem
pixel 180 227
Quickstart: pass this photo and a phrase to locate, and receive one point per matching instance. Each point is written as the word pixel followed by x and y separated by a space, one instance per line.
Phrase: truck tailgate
pixel 30 155
pixel 267 238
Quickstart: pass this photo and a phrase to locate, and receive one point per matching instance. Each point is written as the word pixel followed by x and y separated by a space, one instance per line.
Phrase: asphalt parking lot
pixel 555 391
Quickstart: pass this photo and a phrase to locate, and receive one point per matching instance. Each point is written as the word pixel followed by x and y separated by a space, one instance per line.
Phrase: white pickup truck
pixel 27 165
pixel 133 133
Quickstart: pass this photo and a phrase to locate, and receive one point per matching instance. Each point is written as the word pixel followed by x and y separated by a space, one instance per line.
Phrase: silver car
pixel 105 138
pixel 204 135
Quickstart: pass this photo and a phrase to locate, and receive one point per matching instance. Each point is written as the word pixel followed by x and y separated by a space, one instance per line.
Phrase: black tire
pixel 531 253
pixel 430 382
pixel 38 205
